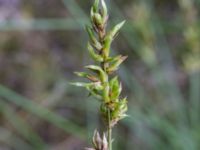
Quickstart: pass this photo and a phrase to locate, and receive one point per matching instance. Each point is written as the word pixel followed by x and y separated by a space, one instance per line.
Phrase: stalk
pixel 109 132
pixel 104 84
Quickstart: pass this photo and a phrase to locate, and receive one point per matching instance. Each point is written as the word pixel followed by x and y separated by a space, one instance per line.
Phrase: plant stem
pixel 109 132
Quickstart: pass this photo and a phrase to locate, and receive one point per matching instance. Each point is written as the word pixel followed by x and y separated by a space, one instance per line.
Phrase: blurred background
pixel 42 42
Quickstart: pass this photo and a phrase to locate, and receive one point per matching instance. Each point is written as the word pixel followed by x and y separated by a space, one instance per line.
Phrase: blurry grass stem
pixel 42 112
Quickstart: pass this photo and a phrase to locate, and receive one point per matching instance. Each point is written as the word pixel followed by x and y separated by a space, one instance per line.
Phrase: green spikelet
pixel 113 108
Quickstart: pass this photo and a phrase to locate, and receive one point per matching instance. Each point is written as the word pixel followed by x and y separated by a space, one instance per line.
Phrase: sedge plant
pixel 103 83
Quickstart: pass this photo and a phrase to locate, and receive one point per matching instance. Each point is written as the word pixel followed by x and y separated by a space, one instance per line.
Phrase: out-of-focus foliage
pixel 43 42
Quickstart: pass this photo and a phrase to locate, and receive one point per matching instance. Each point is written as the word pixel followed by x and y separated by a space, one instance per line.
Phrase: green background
pixel 42 42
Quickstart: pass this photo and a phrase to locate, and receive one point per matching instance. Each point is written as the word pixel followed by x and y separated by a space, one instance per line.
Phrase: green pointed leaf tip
pixel 103 76
pixel 105 11
pixel 123 103
pixel 115 89
pixel 110 37
pixel 95 6
pixel 123 106
pixel 80 84
pixel 120 60
pixel 94 85
pixel 113 59
pixel 115 65
pixel 116 29
pixel 86 75
pixel 81 74
pixel 114 83
pixel 91 13
pixel 116 92
pixel 90 33
pixel 94 92
pixel 106 93
pixel 94 68
pixel 120 109
pixel 93 88
pixel 93 54
pixel 93 39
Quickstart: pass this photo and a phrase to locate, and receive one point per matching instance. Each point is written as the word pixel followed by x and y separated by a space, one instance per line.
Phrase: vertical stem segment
pixel 109 132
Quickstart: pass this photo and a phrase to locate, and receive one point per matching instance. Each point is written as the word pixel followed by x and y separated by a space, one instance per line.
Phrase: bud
pixel 97 19
pixel 98 142
pixel 94 9
pixel 104 142
pixel 115 89
pixel 119 111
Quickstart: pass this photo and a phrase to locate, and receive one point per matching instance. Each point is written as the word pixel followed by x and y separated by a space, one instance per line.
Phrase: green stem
pixel 109 132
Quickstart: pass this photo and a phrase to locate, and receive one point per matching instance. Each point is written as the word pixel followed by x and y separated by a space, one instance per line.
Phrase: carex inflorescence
pixel 103 83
